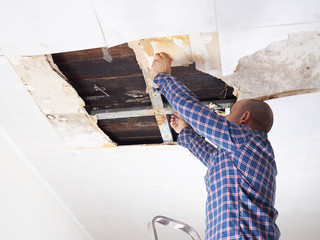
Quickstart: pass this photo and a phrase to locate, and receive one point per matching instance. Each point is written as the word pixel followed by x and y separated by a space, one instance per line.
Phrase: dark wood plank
pixel 136 130
pixel 99 68
pixel 78 56
pixel 121 79
pixel 120 51
pixel 127 91
pixel 204 86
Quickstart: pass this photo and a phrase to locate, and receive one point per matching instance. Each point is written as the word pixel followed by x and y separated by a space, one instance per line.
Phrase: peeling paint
pixel 202 49
pixel 161 119
pixel 283 68
pixel 59 102
pixel 177 47
pixel 206 53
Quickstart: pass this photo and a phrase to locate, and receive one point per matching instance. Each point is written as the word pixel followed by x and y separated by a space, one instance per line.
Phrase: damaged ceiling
pixel 127 108
pixel 102 97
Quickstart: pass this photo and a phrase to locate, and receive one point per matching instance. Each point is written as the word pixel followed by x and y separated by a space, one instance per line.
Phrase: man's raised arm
pixel 189 139
pixel 207 123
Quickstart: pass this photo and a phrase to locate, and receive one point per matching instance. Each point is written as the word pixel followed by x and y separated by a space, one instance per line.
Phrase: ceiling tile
pixel 235 14
pixel 38 27
pixel 124 21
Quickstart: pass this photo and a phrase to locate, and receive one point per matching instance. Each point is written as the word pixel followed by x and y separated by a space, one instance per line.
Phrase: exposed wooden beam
pixel 155 97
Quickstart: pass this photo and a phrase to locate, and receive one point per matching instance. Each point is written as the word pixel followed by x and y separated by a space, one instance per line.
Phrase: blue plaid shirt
pixel 241 175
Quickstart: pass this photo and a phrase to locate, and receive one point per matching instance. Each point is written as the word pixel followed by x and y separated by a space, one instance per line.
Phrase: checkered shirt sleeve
pixel 196 144
pixel 207 123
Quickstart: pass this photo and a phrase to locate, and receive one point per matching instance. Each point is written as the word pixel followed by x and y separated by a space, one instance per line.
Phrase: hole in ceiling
pixel 119 87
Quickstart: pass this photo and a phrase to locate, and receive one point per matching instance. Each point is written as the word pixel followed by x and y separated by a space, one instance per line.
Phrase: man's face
pixel 235 112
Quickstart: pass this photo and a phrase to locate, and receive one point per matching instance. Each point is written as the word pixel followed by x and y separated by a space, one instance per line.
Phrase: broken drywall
pixel 206 53
pixel 283 68
pixel 59 102
pixel 201 49
pixel 184 50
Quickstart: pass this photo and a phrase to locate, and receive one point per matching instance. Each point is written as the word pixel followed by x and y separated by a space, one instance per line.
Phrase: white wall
pixel 296 141
pixel 28 208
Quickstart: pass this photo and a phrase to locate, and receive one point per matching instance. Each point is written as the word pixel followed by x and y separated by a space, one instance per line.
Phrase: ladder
pixel 172 223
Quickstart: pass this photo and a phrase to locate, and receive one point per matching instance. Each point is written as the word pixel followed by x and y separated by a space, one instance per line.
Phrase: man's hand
pixel 161 63
pixel 177 123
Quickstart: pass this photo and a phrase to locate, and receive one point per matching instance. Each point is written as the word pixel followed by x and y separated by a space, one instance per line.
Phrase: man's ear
pixel 245 118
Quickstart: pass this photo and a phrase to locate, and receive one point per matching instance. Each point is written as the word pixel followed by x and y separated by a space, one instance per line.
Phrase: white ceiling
pixel 39 27
pixel 115 192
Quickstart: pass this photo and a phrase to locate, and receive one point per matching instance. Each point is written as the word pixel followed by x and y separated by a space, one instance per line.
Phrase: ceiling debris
pixel 106 54
pixel 283 68
pixel 201 49
pixel 116 84
pixel 60 103
pixel 206 53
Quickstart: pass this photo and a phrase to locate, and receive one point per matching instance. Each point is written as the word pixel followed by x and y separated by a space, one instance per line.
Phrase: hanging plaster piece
pixel 48 86
pixel 106 54
pixel 206 53
pixel 283 68
pixel 59 102
pixel 183 53
pixel 177 47
pixel 202 48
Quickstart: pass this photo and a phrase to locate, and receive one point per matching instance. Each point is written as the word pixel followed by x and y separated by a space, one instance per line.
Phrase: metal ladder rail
pixel 172 223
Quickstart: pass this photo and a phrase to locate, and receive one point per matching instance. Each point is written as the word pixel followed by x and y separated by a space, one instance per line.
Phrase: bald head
pixel 254 113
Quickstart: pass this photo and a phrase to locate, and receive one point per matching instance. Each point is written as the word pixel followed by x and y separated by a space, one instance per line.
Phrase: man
pixel 241 173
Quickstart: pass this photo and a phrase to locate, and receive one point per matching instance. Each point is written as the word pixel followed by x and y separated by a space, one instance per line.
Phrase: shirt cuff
pixel 161 75
pixel 184 136
pixel 161 80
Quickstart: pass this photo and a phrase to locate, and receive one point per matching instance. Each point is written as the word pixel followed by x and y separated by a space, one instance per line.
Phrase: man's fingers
pixel 162 56
pixel 173 120
pixel 173 123
pixel 176 115
pixel 156 57
pixel 165 56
